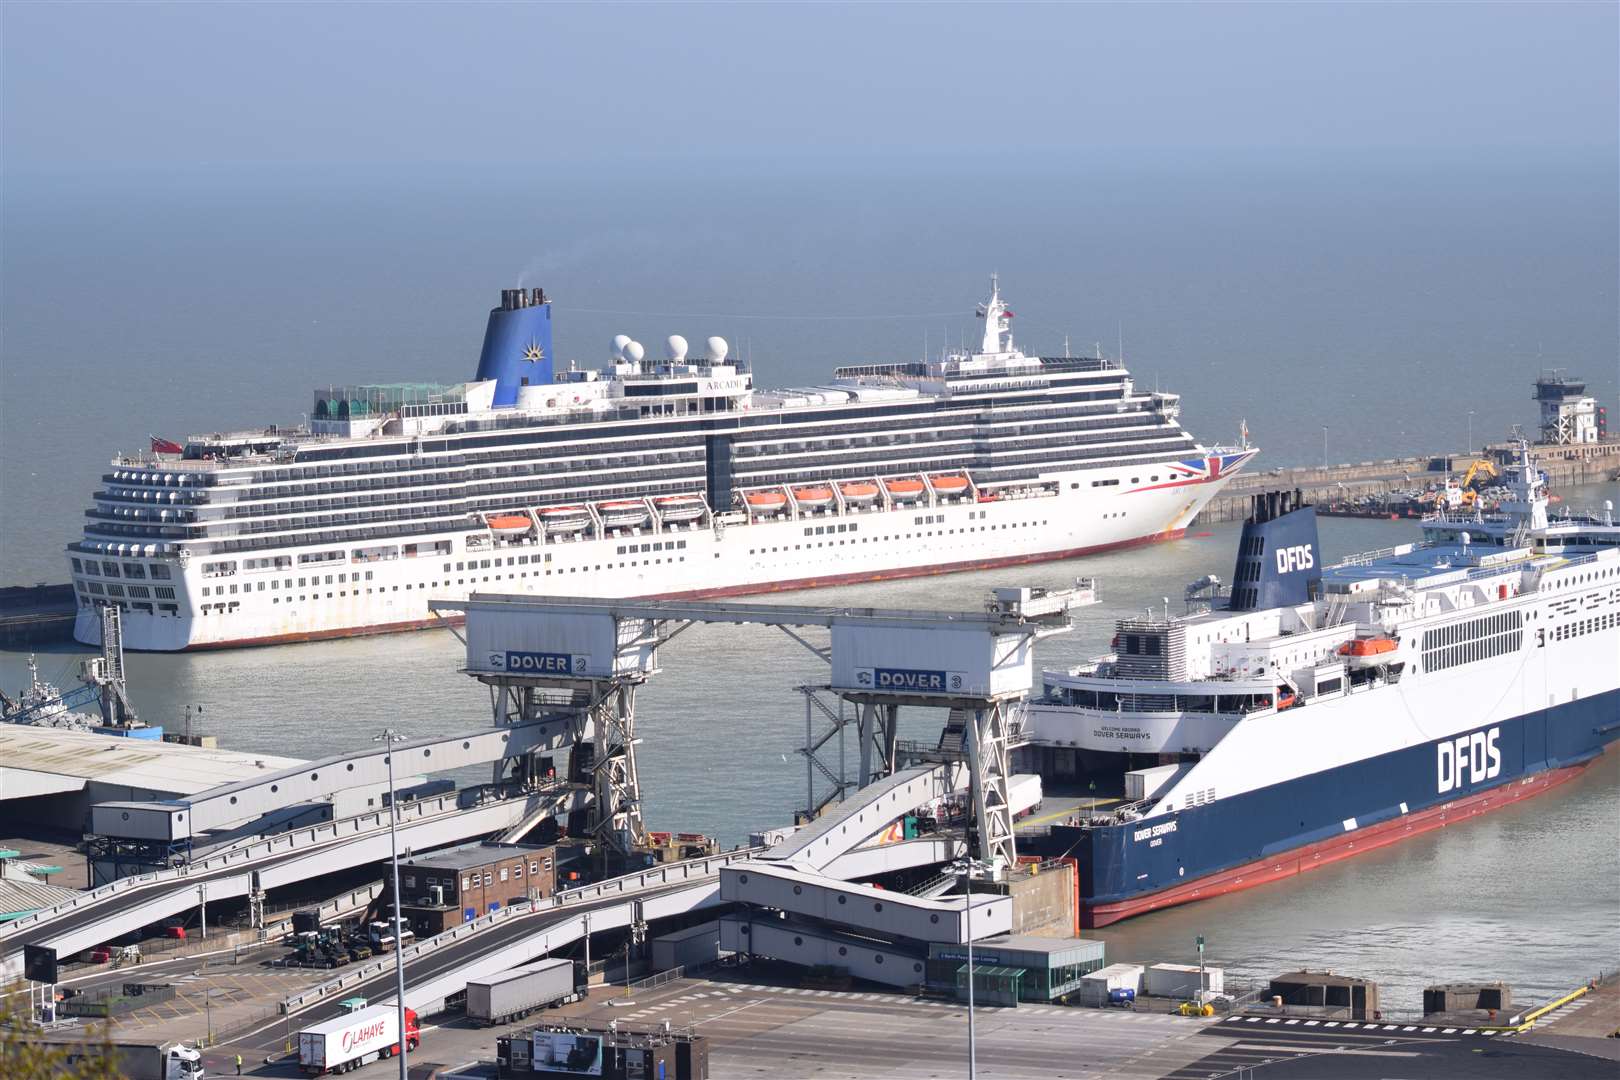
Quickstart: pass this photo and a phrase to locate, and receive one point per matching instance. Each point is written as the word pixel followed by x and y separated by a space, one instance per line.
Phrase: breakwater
pixel 1564 466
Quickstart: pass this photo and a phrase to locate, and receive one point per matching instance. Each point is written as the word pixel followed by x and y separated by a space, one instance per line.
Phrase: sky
pixel 328 89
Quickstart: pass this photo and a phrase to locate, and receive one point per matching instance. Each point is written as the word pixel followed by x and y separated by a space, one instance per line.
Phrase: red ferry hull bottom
pixel 1325 852
pixel 709 594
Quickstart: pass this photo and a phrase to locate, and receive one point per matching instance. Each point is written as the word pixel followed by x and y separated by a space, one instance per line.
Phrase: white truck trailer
pixel 354 1039
pixel 143 1061
pixel 521 991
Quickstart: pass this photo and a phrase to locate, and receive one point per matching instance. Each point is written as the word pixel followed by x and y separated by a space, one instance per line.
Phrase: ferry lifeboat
pixel 765 502
pixel 675 508
pixel 813 498
pixel 623 514
pixel 858 493
pixel 904 490
pixel 509 524
pixel 1369 651
pixel 949 485
pixel 565 519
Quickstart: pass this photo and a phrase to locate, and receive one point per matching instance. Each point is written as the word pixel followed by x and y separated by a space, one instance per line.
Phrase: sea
pixel 1345 314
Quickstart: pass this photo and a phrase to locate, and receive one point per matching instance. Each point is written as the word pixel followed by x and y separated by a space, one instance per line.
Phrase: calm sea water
pixel 1529 894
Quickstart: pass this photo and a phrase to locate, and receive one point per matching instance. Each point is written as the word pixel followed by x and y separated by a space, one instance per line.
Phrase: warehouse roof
pixel 467 856
pixel 37 761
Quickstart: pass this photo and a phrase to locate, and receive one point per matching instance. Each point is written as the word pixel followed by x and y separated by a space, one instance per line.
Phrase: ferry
pixel 671 478
pixel 1303 714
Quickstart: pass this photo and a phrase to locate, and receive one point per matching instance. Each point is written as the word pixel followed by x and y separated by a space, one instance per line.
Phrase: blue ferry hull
pixel 1248 839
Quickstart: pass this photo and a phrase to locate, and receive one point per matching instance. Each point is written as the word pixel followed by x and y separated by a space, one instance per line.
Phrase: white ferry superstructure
pixel 1308 714
pixel 651 479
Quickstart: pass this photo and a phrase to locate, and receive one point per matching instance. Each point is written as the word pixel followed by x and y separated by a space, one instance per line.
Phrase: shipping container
pixel 1095 987
pixel 1147 783
pixel 517 993
pixel 1181 980
pixel 1024 793
pixel 691 948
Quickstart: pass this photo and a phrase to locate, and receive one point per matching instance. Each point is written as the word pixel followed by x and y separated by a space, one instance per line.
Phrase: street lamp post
pixel 965 868
pixel 1324 446
pixel 388 738
pixel 1470 431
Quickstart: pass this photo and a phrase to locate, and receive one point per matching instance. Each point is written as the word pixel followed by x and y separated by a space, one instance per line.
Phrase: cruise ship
pixel 645 478
pixel 1303 714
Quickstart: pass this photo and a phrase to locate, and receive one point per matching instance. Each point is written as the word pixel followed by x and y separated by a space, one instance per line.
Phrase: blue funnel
pixel 1279 558
pixel 517 344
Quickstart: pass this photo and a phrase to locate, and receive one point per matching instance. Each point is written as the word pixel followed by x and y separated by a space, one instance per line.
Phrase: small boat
pixel 765 502
pixel 904 490
pixel 680 507
pixel 1373 646
pixel 623 514
pixel 509 524
pixel 859 492
pixel 813 498
pixel 949 485
pixel 565 519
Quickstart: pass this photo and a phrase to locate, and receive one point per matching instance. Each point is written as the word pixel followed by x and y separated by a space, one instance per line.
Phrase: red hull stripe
pixel 734 590
pixel 1323 852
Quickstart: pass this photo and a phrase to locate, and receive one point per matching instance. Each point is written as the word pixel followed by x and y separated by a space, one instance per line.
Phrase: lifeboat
pixel 765 502
pixel 813 498
pixel 1285 698
pixel 1369 652
pixel 949 485
pixel 680 507
pixel 904 490
pixel 623 514
pixel 565 519
pixel 858 493
pixel 509 524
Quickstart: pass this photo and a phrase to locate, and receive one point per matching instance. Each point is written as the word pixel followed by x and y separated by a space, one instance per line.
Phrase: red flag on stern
pixel 164 446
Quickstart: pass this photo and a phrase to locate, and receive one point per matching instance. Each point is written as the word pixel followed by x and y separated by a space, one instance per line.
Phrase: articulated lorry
pixel 141 1061
pixel 356 1038
pixel 517 993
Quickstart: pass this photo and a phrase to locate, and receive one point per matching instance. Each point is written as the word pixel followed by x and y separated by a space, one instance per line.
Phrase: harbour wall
pixel 1564 466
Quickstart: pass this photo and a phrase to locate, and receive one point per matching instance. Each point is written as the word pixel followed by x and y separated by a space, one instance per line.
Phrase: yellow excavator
pixel 1479 468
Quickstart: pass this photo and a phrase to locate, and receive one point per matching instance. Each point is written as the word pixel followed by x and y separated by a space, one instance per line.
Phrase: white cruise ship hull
pixel 1088 514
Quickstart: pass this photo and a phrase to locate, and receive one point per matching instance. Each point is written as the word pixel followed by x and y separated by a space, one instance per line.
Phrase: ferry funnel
pixel 517 344
pixel 1279 558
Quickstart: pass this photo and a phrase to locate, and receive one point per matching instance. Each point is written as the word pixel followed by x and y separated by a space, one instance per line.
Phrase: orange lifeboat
pixel 904 489
pixel 859 492
pixel 813 498
pixel 509 524
pixel 765 502
pixel 1366 647
pixel 949 485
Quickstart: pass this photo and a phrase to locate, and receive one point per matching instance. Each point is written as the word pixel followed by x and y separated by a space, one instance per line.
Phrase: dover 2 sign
pixel 515 662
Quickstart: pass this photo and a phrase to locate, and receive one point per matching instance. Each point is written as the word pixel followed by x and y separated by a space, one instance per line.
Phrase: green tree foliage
pixel 26 1054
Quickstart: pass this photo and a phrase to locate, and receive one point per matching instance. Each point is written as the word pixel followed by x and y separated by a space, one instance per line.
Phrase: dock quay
pixel 835 947
pixel 36 614
pixel 1590 463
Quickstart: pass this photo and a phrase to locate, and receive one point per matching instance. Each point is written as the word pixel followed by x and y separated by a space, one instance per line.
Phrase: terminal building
pixel 458 884
pixel 1015 968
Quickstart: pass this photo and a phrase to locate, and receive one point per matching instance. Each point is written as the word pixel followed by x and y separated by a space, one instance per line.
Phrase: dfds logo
pixel 1468 759
pixel 1296 558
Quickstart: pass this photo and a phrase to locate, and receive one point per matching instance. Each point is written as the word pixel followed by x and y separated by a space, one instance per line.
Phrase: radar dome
pixel 675 347
pixel 718 349
pixel 633 352
pixel 619 342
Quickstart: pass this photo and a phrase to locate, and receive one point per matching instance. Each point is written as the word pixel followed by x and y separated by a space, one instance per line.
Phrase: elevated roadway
pixel 131 903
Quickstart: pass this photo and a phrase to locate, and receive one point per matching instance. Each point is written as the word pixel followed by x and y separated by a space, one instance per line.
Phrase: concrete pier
pixel 1564 466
